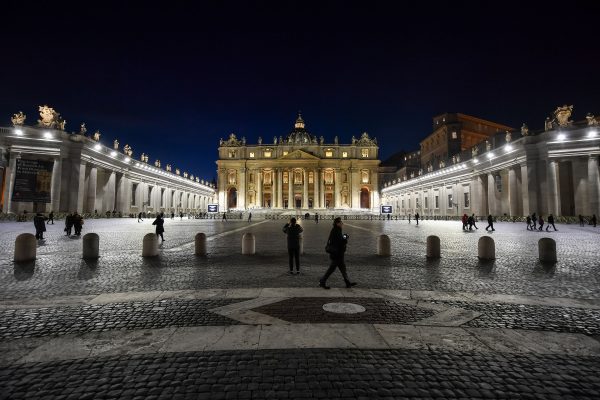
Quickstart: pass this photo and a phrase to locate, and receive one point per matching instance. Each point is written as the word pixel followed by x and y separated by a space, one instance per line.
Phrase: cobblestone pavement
pixel 378 311
pixel 105 317
pixel 59 270
pixel 303 374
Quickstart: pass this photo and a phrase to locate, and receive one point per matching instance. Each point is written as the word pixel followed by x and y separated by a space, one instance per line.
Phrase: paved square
pixel 234 326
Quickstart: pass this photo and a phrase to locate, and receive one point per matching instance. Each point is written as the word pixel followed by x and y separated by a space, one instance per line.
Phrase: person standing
pixel 465 221
pixel 316 218
pixel 593 221
pixel 528 223
pixel 471 222
pixel 551 222
pixel 336 246
pixel 540 222
pixel 224 217
pixel 77 223
pixel 140 217
pixel 39 222
pixel 534 221
pixel 416 218
pixel 293 231
pixel 581 220
pixel 490 223
pixel 51 217
pixel 69 223
pixel 172 215
pixel 159 222
pixel 250 217
pixel 409 218
pixel 181 215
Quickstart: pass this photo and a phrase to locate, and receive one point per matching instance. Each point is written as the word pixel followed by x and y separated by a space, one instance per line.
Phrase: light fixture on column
pixel 592 133
pixel 97 147
pixel 19 132
pixel 47 135
pixel 508 148
pixel 561 136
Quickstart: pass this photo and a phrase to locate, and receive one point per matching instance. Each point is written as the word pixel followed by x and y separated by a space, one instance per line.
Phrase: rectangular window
pixel 311 177
pixel 364 153
pixel 467 199
pixel 344 154
pixel 450 201
pixel 285 177
pixel 133 192
pixel 437 201
pixel 454 135
pixel 426 202
pixel 251 154
pixel 417 202
pixel 403 204
pixel 285 153
pixel 162 197
pixel 267 154
pixel 328 153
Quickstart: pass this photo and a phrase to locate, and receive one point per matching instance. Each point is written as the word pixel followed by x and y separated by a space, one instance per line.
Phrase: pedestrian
pixel 534 221
pixel 528 223
pixel 490 223
pixel 541 222
pixel 316 218
pixel 293 231
pixel 465 221
pixel 224 217
pixel 77 223
pixel 409 218
pixel 581 220
pixel 417 218
pixel 51 217
pixel 471 222
pixel 159 222
pixel 249 217
pixel 68 223
pixel 593 222
pixel 140 217
pixel 181 215
pixel 39 222
pixel 172 215
pixel 551 222
pixel 336 247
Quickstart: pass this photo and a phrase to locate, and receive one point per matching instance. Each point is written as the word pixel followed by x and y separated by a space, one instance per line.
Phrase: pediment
pixel 298 154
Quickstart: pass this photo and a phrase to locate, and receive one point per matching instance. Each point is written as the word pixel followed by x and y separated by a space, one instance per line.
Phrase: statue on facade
pixel 185 174
pixel 192 177
pixel 562 115
pixel 420 171
pixel 453 159
pixel 524 130
pixel 274 139
pixel 127 150
pixel 488 145
pixel 157 163
pixel 508 137
pixel 143 157
pixel 168 168
pixel 96 136
pixel 412 174
pixel 321 140
pixel 47 115
pixel 353 140
pixel 429 166
pixel 243 140
pixel 474 152
pixel 82 129
pixel 18 119
pixel 197 180
pixel 116 144
pixel 221 142
pixel 548 124
pixel 591 120
pixel 280 139
pixel 335 140
pixel 177 171
pixel 259 140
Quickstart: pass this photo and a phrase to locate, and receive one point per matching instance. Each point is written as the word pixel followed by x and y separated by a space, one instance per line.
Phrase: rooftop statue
pixel 97 136
pixel 157 163
pixel 116 144
pixel 508 137
pixel 524 130
pixel 18 119
pixel 548 124
pixel 82 129
pixel 474 151
pixel 168 168
pixel 562 115
pixel 591 120
pixel 47 115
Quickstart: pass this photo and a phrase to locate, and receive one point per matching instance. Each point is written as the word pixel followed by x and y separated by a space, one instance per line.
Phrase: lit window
pixel 329 176
pixel 285 177
pixel 364 153
pixel 328 153
pixel 285 153
pixel 344 154
pixel 311 177
pixel 251 154
pixel 297 177
pixel 231 153
pixel 454 135
pixel 267 154
pixel 364 176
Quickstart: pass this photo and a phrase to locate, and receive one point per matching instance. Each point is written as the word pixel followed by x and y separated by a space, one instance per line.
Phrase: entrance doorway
pixel 365 198
pixel 298 201
pixel 232 198
pixel 328 200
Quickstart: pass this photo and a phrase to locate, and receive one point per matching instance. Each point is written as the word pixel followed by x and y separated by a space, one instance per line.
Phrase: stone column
pixel 580 186
pixel 222 185
pixel 316 199
pixel 56 178
pixel 91 190
pixel 241 199
pixel 322 184
pixel 512 192
pixel 336 186
pixel 280 187
pixel 305 189
pixel 10 181
pixel 553 188
pixel 109 193
pixel 594 186
pixel 259 188
pixel 491 191
pixel 290 189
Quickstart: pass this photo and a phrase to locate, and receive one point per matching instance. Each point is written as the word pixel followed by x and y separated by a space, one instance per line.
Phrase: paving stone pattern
pixel 541 318
pixel 303 374
pixel 378 311
pixel 49 321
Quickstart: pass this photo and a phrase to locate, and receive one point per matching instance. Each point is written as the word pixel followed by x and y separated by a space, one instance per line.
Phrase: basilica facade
pixel 298 172
pixel 44 168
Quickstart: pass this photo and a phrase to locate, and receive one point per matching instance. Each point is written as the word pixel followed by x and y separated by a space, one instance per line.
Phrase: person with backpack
pixel 39 222
pixel 551 222
pixel 293 231
pixel 159 222
pixel 528 223
pixel 541 222
pixel 336 247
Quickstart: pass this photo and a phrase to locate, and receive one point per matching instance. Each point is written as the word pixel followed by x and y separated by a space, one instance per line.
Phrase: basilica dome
pixel 299 134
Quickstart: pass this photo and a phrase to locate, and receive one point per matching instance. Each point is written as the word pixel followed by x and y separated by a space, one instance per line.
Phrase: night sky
pixel 171 81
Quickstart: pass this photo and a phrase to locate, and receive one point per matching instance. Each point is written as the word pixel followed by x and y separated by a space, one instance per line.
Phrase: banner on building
pixel 213 208
pixel 386 209
pixel 33 181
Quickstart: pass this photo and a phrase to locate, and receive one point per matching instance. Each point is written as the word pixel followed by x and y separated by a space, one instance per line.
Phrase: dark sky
pixel 170 80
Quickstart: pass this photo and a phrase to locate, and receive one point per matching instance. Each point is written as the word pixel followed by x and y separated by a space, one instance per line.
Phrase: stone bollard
pixel 384 246
pixel 433 247
pixel 200 242
pixel 25 247
pixel 150 245
pixel 301 244
pixel 486 248
pixel 547 250
pixel 91 245
pixel 248 243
